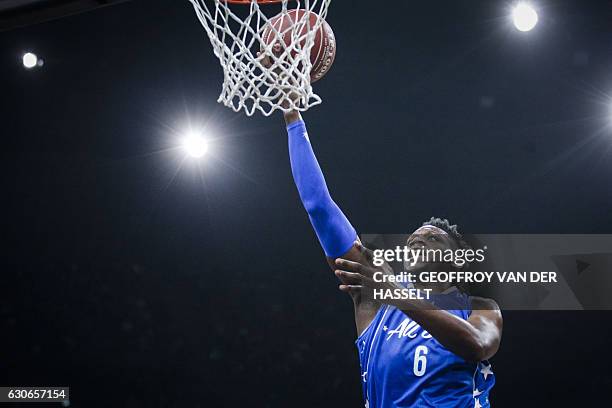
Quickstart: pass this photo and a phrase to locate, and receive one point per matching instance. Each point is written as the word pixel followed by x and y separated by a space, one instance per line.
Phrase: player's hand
pixel 265 59
pixel 357 277
pixel 289 96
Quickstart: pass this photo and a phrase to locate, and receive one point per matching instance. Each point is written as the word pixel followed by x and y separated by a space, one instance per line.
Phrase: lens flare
pixel 195 145
pixel 29 60
pixel 525 17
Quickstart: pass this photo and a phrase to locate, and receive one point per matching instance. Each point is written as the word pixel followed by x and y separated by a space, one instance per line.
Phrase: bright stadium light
pixel 525 17
pixel 29 60
pixel 195 145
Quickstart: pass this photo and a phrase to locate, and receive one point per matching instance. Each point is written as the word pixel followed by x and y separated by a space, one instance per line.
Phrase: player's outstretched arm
pixel 335 232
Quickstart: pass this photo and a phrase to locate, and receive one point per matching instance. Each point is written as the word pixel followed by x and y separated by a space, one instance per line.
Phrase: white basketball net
pixel 236 30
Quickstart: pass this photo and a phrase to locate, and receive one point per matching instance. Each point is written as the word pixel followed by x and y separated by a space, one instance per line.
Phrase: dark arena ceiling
pixel 19 13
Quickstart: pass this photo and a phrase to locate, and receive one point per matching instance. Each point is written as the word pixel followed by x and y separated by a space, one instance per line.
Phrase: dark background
pixel 142 283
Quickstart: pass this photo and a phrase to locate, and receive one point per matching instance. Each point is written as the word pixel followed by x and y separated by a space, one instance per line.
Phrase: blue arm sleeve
pixel 335 232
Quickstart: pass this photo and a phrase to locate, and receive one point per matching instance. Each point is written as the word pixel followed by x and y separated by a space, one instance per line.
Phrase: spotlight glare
pixel 525 17
pixel 195 145
pixel 29 60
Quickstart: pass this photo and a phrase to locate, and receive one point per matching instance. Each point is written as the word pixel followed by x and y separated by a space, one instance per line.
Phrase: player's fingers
pixel 350 288
pixel 264 59
pixel 349 265
pixel 347 277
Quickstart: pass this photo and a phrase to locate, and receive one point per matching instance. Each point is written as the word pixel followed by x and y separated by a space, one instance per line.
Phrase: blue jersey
pixel 404 366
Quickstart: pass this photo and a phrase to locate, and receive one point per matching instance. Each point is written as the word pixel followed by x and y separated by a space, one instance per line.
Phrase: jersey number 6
pixel 420 361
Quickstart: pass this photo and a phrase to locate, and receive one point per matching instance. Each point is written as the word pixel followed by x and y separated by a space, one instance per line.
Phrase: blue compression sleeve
pixel 335 232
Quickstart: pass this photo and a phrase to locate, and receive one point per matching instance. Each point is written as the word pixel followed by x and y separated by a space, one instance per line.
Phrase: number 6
pixel 420 361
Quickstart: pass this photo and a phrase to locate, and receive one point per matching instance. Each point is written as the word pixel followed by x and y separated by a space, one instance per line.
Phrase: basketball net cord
pixel 236 33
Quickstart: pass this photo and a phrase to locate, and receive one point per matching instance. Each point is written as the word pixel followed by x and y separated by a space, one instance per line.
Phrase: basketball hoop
pixel 264 47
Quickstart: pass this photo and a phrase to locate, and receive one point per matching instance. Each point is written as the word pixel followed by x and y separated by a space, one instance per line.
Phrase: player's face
pixel 425 238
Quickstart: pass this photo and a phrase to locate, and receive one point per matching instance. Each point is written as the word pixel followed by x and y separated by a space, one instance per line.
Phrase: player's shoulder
pixel 480 303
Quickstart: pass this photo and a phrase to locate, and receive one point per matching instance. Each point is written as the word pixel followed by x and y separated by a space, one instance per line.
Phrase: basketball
pixel 323 51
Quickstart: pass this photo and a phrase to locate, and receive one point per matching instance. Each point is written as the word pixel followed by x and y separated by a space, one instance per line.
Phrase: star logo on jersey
pixel 477 403
pixel 486 371
pixel 476 393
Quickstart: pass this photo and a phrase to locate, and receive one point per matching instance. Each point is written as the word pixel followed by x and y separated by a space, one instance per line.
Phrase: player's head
pixel 433 238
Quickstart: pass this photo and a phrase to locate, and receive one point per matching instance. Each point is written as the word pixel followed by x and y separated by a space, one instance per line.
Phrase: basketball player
pixel 412 354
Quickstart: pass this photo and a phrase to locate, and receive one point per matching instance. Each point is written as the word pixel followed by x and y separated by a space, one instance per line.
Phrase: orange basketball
pixel 323 51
